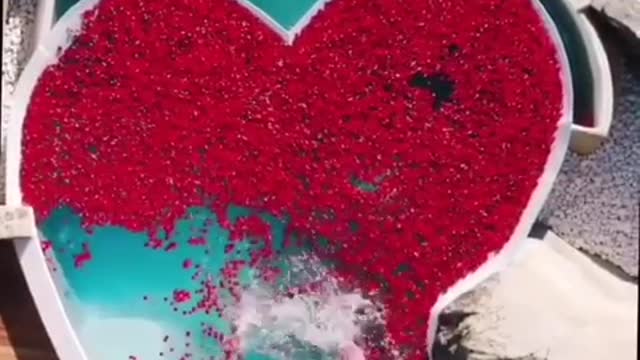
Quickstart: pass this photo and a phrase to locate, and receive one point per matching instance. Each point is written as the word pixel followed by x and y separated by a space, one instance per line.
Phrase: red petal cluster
pixel 159 106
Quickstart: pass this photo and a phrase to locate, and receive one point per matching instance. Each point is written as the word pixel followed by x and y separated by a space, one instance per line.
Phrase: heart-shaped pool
pixel 259 180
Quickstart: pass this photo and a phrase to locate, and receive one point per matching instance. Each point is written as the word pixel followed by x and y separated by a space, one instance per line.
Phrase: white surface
pixel 34 266
pixel 351 352
pixel 45 12
pixel 579 4
pixel 108 337
pixel 602 81
pixel 327 321
pixel 556 304
pixel 16 222
pixel 326 318
pixel 5 6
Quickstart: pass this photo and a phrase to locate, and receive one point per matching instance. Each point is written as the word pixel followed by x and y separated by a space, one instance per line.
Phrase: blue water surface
pixel 127 279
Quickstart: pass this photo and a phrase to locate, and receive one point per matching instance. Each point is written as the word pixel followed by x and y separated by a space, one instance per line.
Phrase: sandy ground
pixel 554 303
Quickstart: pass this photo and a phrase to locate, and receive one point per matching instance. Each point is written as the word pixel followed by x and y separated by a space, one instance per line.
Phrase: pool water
pixel 285 12
pixel 123 281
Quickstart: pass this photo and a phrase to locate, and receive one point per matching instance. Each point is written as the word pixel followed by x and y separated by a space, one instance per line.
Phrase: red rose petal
pixel 170 103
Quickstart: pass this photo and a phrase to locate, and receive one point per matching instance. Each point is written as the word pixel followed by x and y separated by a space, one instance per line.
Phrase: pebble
pixel 594 204
pixel 16 42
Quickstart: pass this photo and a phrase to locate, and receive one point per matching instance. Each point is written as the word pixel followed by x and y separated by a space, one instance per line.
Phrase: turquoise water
pixel 581 75
pixel 122 271
pixel 62 6
pixel 284 12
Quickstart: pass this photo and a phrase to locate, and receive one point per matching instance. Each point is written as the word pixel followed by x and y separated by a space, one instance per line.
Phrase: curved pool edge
pixel 518 240
pixel 586 139
pixel 45 290
pixel 32 260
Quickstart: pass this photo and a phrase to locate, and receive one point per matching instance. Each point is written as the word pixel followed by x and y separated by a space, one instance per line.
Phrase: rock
pixel 624 13
pixel 552 303
pixel 594 201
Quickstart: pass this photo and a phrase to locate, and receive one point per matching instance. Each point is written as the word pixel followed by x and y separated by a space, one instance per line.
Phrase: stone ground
pixel 594 204
pixel 625 12
pixel 552 303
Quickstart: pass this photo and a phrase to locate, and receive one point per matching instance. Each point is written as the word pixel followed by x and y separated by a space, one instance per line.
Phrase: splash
pixel 326 321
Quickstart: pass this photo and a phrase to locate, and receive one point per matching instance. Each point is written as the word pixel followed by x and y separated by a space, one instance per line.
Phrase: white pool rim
pixel 43 285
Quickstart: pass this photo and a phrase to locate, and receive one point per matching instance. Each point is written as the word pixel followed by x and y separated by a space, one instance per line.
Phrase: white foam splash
pixel 325 319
